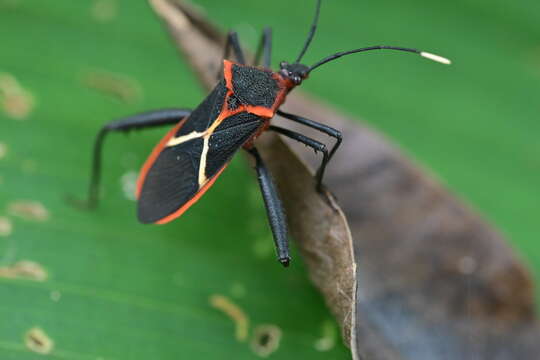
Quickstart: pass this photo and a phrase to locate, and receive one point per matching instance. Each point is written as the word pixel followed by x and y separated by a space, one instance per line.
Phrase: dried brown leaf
pixel 432 280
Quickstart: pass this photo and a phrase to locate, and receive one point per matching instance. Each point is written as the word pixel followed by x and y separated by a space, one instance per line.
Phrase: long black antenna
pixel 335 56
pixel 311 32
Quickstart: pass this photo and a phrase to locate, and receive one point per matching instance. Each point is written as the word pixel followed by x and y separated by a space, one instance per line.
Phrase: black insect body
pixel 189 159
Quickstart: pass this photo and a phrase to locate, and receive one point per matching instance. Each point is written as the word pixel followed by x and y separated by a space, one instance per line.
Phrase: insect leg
pixel 314 144
pixel 234 43
pixel 317 126
pixel 135 122
pixel 264 49
pixel 274 209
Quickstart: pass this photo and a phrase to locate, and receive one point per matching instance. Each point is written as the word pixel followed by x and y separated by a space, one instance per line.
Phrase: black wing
pixel 183 167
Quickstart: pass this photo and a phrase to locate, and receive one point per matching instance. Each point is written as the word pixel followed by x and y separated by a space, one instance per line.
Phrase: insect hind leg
pixel 136 122
pixel 274 209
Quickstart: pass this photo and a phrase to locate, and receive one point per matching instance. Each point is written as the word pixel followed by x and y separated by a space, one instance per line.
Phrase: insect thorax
pixel 253 86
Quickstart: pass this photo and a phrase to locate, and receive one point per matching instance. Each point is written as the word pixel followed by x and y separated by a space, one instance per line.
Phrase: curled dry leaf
pixel 432 280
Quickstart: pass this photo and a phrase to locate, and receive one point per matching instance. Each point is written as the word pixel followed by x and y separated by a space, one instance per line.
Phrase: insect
pixel 194 153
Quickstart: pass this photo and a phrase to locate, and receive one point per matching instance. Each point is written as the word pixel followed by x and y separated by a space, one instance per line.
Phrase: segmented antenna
pixel 335 56
pixel 311 32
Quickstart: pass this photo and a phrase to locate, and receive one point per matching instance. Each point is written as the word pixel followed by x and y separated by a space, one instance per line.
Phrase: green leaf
pixel 90 285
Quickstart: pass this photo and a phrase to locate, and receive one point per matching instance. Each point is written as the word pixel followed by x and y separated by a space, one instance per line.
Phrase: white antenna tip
pixel 436 58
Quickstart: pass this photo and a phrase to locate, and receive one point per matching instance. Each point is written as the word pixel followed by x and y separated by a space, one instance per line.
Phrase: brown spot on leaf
pixel 55 295
pixel 24 269
pixel 329 337
pixel 118 86
pixel 30 210
pixel 233 311
pixel 5 226
pixel 128 181
pixel 265 340
pixel 3 150
pixel 16 101
pixel 36 340
pixel 105 10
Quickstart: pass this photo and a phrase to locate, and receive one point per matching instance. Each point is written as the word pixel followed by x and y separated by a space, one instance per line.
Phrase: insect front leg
pixel 274 209
pixel 234 44
pixel 264 49
pixel 136 122
pixel 336 134
pixel 312 143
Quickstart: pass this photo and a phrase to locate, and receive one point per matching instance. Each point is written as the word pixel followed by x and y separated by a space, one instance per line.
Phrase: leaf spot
pixel 329 337
pixel 16 101
pixel 29 210
pixel 6 227
pixel 24 269
pixel 120 87
pixel 3 150
pixel 55 295
pixel 105 10
pixel 265 340
pixel 128 181
pixel 233 311
pixel 36 340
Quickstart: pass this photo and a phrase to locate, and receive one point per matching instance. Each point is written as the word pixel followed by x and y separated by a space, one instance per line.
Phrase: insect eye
pixel 283 64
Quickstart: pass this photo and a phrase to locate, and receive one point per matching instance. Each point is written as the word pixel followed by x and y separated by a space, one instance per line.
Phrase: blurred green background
pixel 115 289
